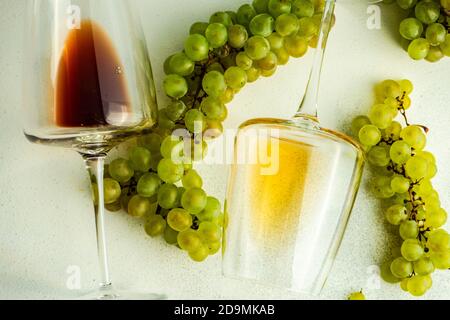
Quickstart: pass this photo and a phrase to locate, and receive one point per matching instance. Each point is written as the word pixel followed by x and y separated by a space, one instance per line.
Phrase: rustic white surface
pixel 46 221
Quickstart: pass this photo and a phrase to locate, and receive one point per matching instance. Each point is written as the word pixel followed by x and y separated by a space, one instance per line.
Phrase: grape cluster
pixel 403 172
pixel 426 30
pixel 219 58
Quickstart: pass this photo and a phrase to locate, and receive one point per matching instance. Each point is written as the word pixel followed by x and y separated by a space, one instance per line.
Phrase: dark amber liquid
pixel 91 89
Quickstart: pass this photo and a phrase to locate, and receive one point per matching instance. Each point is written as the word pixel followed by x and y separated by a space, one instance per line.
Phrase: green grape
pixel 276 41
pixel 416 168
pixel 424 188
pixel 245 14
pixel 386 273
pixel 418 285
pixel 445 46
pixel 121 170
pixel 179 219
pixel 257 47
pixel 235 77
pixel 435 54
pixel 278 7
pixel 412 250
pixel 155 226
pixel 319 5
pixel 175 86
pixel 262 25
pixel 214 247
pixel 404 284
pixel 406 86
pixel 198 150
pixel 307 27
pixel 268 73
pixel 216 66
pixel 181 65
pixel 243 61
pixel 214 129
pixel 211 211
pixel 414 136
pixel 423 266
pixel 210 232
pixel 217 35
pixel 431 171
pixel 194 200
pixel 170 235
pixel 261 6
pixel 221 17
pixel 233 16
pixel 148 185
pixel 401 268
pixel 192 180
pixel 172 148
pixel 296 45
pixel 189 240
pixel 166 65
pixel 400 152
pixel 227 96
pixel 195 121
pixel 356 296
pixel 253 74
pixel 212 108
pixel 369 135
pixel 409 230
pixel 196 47
pixel 168 196
pixel 389 89
pixel 427 11
pixel 439 240
pixel 111 191
pixel 445 4
pixel 287 24
pixel 396 214
pixel 441 260
pixel 237 36
pixel 393 104
pixel 199 254
pixel 138 206
pixel 436 218
pixel 400 184
pixel 418 49
pixel 198 28
pixel 164 122
pixel 150 141
pixel 358 123
pixel 214 83
pixel 406 4
pixel 169 171
pixel 435 34
pixel 379 156
pixel 269 62
pixel 176 110
pixel 393 131
pixel 302 8
pixel 411 28
pixel 140 159
pixel 282 56
pixel 380 116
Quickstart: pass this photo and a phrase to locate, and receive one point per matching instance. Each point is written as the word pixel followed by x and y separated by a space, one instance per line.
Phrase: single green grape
pixel 400 184
pixel 214 129
pixel 214 247
pixel 253 74
pixel 441 260
pixel 179 219
pixel 436 218
pixel 235 77
pixel 276 41
pixel 243 61
pixel 445 46
pixel 138 206
pixel 282 56
pixel 245 14
pixel 111 191
pixel 369 135
pixel 221 17
pixel 268 73
pixel 181 65
pixel 212 108
pixel 192 180
pixel 172 148
pixel 358 123
pixel 400 152
pixel 406 4
pixel 412 250
pixel 386 273
pixel 227 96
pixel 411 28
pixel 278 7
pixel 416 168
pixel 356 296
pixel 194 200
pixel 418 49
pixel 396 214
pixel 287 24
pixel 296 45
pixel 189 240
pixel 233 16
pixel 269 62
pixel 175 86
pixel 389 89
pixel 170 235
pixel 155 226
pixel 414 136
pixel 210 232
pixel 439 240
pixel 302 8
pixel 379 156
pixel 151 141
pixel 393 131
pixel 380 116
pixel 214 83
pixel 406 86
pixel 196 47
pixel 401 268
pixel 261 6
pixel 148 185
pixel 307 27
pixel 237 36
pixel 404 284
pixel 198 28
pixel 169 171
pixel 175 110
pixel 121 170
pixel 262 25
pixel 164 122
pixel 257 47
pixel 435 54
pixel 418 285
pixel 140 159
pixel 427 11
pixel 423 266
pixel 195 121
pixel 409 229
pixel 200 253
pixel 217 35
pixel 168 196
pixel 435 34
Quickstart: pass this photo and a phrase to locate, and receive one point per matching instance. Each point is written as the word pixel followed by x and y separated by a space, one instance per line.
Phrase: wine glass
pixel 89 87
pixel 290 196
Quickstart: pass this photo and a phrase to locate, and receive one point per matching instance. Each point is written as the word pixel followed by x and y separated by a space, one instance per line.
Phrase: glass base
pixel 109 293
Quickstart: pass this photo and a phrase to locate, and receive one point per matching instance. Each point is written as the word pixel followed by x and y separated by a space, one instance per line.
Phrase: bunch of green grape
pixel 426 30
pixel 403 177
pixel 218 59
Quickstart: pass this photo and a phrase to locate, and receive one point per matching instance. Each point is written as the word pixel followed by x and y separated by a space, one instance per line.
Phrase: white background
pixel 46 220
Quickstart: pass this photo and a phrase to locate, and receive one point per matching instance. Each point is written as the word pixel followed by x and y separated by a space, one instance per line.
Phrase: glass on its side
pixel 292 188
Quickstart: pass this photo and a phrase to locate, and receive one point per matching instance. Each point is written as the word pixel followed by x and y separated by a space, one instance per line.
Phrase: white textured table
pixel 46 221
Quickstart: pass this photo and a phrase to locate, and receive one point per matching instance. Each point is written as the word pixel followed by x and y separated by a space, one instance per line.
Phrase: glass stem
pixel 95 166
pixel 308 106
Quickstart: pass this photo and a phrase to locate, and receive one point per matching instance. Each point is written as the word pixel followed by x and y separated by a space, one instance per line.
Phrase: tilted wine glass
pixel 290 193
pixel 89 86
